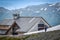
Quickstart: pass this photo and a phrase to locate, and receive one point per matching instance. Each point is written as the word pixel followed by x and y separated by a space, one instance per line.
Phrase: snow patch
pixel 54 28
pixel 48 30
pixel 58 9
pixel 45 9
pixel 37 11
pixel 41 9
pixel 51 4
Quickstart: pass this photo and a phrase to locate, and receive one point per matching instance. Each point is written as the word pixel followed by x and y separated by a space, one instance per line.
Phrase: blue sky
pixel 16 4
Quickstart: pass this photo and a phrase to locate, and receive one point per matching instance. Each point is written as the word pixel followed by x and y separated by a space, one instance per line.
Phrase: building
pixel 20 25
pixel 7 26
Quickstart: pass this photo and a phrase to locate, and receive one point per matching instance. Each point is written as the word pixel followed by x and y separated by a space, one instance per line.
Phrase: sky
pixel 16 4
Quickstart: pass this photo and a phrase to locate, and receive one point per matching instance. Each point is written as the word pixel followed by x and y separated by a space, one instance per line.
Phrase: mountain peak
pixel 2 9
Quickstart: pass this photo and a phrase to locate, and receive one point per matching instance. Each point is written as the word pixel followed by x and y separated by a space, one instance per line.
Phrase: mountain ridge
pixel 50 12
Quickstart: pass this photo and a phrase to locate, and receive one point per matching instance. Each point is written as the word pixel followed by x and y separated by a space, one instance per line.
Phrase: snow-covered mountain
pixel 50 12
pixel 4 13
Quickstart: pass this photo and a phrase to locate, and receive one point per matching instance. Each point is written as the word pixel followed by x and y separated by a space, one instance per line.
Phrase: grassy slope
pixel 54 35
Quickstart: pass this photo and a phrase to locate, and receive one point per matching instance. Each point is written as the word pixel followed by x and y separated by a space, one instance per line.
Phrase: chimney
pixel 16 16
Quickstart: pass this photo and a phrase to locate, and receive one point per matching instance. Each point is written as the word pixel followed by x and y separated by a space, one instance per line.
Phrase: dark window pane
pixel 40 25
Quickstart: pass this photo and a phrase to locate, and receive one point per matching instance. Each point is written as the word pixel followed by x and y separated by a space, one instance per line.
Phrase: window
pixel 40 26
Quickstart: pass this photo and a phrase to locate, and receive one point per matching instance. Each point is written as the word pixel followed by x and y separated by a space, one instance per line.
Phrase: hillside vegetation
pixel 54 35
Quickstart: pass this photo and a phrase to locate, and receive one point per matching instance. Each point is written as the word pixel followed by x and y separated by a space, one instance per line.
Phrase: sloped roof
pixel 7 22
pixel 25 23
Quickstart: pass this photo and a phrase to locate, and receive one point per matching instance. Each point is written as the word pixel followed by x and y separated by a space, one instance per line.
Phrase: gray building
pixel 20 25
